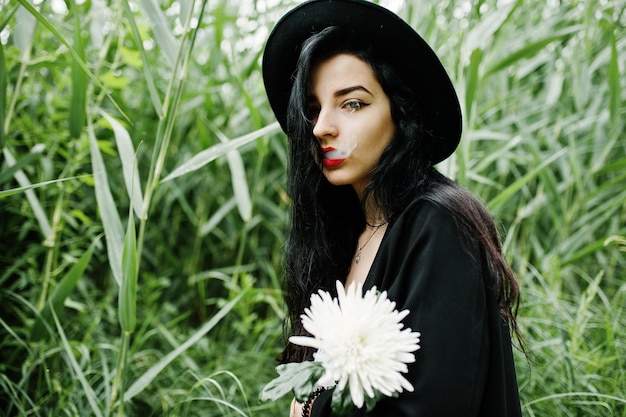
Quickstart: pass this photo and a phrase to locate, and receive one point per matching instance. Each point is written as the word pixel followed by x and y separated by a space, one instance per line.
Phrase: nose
pixel 324 125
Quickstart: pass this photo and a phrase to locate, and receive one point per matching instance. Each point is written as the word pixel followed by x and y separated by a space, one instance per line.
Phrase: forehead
pixel 341 71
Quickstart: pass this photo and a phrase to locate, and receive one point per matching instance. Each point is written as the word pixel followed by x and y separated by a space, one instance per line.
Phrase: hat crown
pixel 394 40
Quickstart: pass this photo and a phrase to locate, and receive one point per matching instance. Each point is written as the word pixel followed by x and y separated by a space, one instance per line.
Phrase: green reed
pixel 157 109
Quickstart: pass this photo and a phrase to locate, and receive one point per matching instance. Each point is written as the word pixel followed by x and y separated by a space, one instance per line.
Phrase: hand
pixel 295 410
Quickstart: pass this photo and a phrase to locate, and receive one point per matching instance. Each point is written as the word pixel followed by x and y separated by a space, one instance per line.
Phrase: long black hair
pixel 326 220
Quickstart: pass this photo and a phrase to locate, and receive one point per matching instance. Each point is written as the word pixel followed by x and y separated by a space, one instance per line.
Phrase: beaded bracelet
pixel 306 407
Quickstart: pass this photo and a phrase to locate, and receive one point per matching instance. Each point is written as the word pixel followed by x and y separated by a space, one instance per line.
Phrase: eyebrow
pixel 348 90
pixel 343 92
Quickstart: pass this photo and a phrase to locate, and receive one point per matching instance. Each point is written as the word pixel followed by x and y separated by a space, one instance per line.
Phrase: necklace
pixel 357 259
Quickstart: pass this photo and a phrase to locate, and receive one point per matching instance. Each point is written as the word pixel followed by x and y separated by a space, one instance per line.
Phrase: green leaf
pixel 114 82
pixel 98 23
pixel 482 34
pixel 60 294
pixel 75 55
pixel 300 378
pixel 132 57
pixel 127 299
pixel 23 38
pixel 529 49
pixel 113 230
pixel 238 178
pixel 32 198
pixel 11 170
pixel 217 217
pixel 472 82
pixel 128 55
pixel 615 87
pixel 3 95
pixel 208 155
pixel 161 30
pixel 87 389
pixel 13 191
pixel 240 185
pixel 579 327
pixel 509 191
pixel 79 81
pixel 341 402
pixel 126 152
pixel 145 379
pixel 8 15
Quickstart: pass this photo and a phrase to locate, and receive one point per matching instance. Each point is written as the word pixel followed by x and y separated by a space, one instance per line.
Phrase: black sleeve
pixel 428 267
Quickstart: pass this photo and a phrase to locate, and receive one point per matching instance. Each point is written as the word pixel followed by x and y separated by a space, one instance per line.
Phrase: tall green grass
pixel 143 204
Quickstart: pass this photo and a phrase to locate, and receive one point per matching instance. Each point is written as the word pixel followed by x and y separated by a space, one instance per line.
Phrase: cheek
pixel 384 135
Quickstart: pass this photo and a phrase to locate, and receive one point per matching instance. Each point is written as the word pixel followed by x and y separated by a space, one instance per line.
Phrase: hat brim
pixel 396 41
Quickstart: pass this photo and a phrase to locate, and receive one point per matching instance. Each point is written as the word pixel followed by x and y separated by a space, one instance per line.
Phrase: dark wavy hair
pixel 326 220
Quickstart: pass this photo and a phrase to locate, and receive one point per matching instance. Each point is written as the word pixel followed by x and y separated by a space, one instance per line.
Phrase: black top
pixel 465 365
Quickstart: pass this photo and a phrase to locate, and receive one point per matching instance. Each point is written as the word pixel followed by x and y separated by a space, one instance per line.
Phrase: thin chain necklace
pixel 357 259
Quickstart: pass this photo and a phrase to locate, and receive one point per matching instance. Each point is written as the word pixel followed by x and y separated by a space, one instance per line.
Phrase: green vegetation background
pixel 143 202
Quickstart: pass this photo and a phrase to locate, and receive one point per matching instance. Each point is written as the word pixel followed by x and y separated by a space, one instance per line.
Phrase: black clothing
pixel 465 365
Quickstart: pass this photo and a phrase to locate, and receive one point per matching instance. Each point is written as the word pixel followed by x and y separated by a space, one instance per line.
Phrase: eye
pixel 354 105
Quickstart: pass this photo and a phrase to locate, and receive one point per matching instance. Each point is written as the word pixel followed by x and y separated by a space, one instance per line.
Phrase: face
pixel 351 119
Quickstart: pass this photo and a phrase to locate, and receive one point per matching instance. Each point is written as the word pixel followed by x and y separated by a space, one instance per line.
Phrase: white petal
pixel 356 392
pixel 361 341
pixel 305 341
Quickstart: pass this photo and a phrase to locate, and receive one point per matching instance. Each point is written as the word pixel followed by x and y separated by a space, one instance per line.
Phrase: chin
pixel 337 180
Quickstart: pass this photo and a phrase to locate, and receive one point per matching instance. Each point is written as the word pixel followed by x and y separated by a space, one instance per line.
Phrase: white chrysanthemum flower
pixel 360 340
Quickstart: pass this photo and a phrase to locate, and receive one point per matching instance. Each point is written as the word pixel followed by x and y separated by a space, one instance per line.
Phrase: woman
pixel 369 111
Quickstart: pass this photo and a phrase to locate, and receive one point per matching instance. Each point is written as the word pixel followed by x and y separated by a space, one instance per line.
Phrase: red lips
pixel 329 163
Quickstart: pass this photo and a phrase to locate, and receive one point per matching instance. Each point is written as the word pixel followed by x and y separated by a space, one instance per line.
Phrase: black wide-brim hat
pixel 394 40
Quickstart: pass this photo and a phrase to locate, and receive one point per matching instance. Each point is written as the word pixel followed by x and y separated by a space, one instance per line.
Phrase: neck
pixel 374 215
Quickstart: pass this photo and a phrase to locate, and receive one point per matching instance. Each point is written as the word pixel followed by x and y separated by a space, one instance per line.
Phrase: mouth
pixel 328 163
pixel 331 158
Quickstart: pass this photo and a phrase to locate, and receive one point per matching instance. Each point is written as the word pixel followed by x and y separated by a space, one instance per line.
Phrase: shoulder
pixel 424 216
pixel 426 239
pixel 450 210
